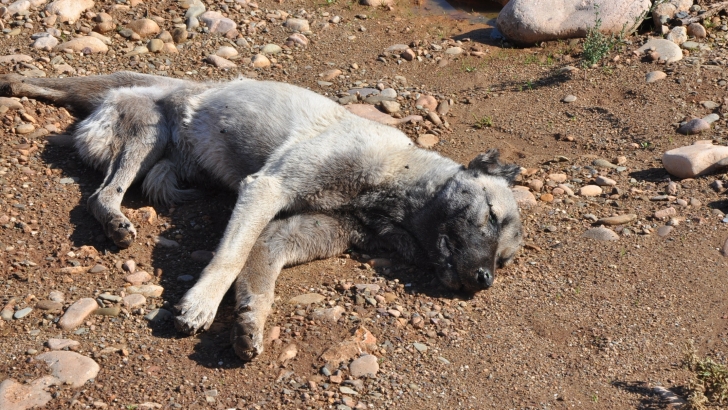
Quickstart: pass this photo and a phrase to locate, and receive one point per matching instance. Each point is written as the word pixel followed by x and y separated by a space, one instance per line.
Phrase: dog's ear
pixel 488 163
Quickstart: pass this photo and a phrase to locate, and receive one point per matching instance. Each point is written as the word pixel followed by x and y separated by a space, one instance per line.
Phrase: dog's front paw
pixel 196 314
pixel 247 339
pixel 121 231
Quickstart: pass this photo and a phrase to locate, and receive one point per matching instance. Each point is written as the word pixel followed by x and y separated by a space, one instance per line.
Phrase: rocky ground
pixel 622 264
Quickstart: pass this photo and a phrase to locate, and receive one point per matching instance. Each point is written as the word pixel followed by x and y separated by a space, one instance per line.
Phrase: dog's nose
pixel 484 277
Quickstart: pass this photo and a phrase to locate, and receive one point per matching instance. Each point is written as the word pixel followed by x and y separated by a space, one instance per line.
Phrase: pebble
pixel 260 61
pixel 22 313
pixel 663 231
pixel 185 278
pixel 307 299
pixel 617 220
pixel 603 163
pixel 297 24
pixel 129 266
pixel 217 23
pixel 454 51
pixel 10 103
pixel 362 340
pixel 427 102
pixel 67 10
pixel 711 105
pixel 144 27
pixel 45 43
pixel 15 58
pixel 390 107
pixel 331 315
pixel 711 118
pixel 330 74
pixel 601 234
pixel 664 213
pixel 137 278
pixel 420 347
pixel 590 190
pixel 77 313
pixel 678 35
pixel 298 38
pixel 653 76
pixel 179 35
pixel 271 49
pixel 697 30
pixel 569 99
pixel 155 45
pixel 202 256
pixel 523 197
pixel 150 291
pixel 24 129
pixel 49 305
pixel 164 242
pixel 604 181
pixel 158 315
pixel 56 296
pixel 547 198
pixel 567 190
pixel 694 127
pixel 69 367
pixel 536 185
pixel 60 344
pixel 220 62
pixel 134 300
pixel 408 55
pixel 288 353
pixel 365 366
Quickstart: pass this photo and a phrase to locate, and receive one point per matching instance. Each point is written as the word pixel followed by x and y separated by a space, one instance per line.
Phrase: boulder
pixel 532 21
pixel 69 10
pixel 694 160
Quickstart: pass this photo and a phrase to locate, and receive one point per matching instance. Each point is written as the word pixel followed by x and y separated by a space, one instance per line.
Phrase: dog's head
pixel 478 226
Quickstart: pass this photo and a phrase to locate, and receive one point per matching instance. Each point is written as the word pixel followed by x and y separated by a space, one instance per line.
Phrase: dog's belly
pixel 232 130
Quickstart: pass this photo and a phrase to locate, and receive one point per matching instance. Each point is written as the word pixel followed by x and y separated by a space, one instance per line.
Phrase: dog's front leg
pixel 260 198
pixel 297 239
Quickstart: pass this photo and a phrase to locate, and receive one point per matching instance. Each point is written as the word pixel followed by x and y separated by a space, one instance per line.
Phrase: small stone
pixel 137 278
pixel 129 266
pixel 694 127
pixel 220 62
pixel 226 52
pixel 653 76
pixel 70 367
pixel 150 291
pixel 604 181
pixel 77 313
pixel 49 306
pixel 185 278
pixel 164 242
pixel 569 99
pixel 10 103
pixel 202 256
pixel 158 315
pixel 390 107
pixel 307 299
pixel 697 30
pixel 695 203
pixel 617 220
pixel 536 185
pixel 663 231
pixel 420 347
pixel 217 23
pixel 297 24
pixel 348 390
pixel 134 300
pixel 365 366
pixel 408 55
pixel 24 129
pixel 558 178
pixel 56 296
pixel 45 43
pixel 427 140
pixel 155 45
pixel 601 234
pixel 678 35
pixel 85 44
pixel 98 268
pixel 299 39
pixel 664 213
pixel 144 27
pixel 60 344
pixel 330 74
pixel 66 10
pixel 711 118
pixel 108 311
pixel 288 352
pixel 454 51
pixel 260 61
pixel 548 198
pixel 603 163
pixel 22 313
pixel 523 197
pixel 362 340
pixel 179 35
pixel 590 190
pixel 666 49
pixel 331 315
pixel 427 102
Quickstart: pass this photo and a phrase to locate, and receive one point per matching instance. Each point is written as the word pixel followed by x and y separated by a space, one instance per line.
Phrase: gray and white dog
pixel 312 180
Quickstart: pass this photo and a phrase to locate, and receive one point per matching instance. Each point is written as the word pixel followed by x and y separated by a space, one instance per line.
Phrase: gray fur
pixel 343 180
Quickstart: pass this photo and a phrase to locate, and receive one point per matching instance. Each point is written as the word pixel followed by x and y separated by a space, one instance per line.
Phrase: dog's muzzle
pixel 484 277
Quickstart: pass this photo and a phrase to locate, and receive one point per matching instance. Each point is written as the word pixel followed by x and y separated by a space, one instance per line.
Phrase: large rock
pixel 694 160
pixel 532 21
pixel 666 49
pixel 69 10
pixel 70 367
pixel 16 396
pixel 78 44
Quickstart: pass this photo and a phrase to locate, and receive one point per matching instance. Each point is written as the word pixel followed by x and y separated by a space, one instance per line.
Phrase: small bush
pixel 596 45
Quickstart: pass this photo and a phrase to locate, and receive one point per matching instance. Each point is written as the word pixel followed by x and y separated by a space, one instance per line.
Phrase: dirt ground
pixel 572 323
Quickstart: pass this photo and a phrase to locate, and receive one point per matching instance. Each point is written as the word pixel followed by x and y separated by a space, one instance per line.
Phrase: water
pixel 474 11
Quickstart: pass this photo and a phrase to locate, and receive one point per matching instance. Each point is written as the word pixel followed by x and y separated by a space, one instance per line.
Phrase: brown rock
pixel 77 313
pixel 137 278
pixel 144 27
pixel 70 367
pixel 16 396
pixel 361 341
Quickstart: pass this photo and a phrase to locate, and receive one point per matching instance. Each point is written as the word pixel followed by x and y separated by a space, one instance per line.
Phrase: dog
pixel 312 180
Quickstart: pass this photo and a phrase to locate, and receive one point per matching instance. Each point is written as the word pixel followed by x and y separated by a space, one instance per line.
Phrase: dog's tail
pixel 161 185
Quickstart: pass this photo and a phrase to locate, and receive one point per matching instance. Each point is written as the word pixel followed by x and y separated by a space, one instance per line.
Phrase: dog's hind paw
pixel 121 231
pixel 247 340
pixel 194 316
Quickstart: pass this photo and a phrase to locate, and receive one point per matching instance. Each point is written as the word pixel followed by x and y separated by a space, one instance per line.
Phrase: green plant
pixel 530 59
pixel 482 122
pixel 596 44
pixel 467 68
pixel 711 379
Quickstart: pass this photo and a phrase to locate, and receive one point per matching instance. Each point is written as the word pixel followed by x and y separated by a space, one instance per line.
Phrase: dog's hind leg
pixel 285 242
pixel 161 185
pixel 81 94
pixel 128 136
